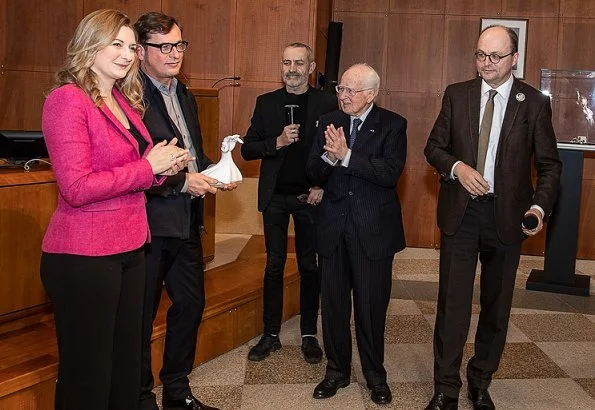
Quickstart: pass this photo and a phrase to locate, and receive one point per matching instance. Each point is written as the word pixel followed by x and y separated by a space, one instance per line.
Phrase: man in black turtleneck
pixel 281 133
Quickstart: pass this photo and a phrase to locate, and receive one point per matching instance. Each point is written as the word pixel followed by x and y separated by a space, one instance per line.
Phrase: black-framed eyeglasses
pixel 349 91
pixel 494 57
pixel 166 48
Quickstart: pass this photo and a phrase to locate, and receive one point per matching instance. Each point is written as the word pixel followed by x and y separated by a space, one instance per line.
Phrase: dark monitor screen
pixel 22 145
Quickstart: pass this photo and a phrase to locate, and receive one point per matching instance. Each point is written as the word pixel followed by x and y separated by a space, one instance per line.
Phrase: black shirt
pixel 142 143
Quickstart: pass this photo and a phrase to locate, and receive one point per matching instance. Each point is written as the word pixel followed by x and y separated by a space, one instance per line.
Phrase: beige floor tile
pixel 227 369
pixel 402 307
pixel 588 385
pixel 407 329
pixel 419 277
pixel 284 366
pixel 556 328
pixel 415 267
pixel 542 394
pixel 591 318
pixel 521 361
pixel 523 311
pixel 299 396
pixel 418 253
pixel 408 362
pixel 577 359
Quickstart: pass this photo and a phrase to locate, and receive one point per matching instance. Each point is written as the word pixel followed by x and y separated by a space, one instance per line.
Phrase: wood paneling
pixel 575 45
pixel 21 99
pixel 542 38
pixel 376 6
pixel 415 61
pixel 533 8
pixel 248 321
pixel 577 8
pixel 417 6
pixel 420 110
pixel 262 31
pixel 323 17
pixel 417 192
pixel 25 212
pixel 244 102
pixel 38 397
pixel 460 41
pixel 133 8
pixel 215 337
pixel 364 40
pixel 486 8
pixel 209 26
pixel 37 32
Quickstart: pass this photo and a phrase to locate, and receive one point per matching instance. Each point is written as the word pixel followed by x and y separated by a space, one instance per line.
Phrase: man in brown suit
pixel 481 145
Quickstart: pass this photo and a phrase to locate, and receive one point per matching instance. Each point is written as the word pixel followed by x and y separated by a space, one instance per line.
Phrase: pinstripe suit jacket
pixel 364 192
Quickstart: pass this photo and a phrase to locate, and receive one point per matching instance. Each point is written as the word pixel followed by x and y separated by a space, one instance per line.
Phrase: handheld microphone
pixel 530 222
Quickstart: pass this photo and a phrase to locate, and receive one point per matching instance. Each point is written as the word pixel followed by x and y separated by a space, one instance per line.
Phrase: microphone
pixel 290 106
pixel 235 78
pixel 530 222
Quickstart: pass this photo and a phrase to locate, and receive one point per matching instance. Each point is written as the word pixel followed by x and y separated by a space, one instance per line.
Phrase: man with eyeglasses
pixel 280 135
pixel 357 158
pixel 482 143
pixel 175 213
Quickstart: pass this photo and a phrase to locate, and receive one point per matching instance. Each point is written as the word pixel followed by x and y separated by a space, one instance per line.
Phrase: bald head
pixel 494 41
pixel 364 82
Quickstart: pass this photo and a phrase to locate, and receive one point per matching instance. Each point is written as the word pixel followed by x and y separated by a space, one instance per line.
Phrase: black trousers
pixel 177 263
pixel 348 270
pixel 458 260
pixel 276 223
pixel 98 303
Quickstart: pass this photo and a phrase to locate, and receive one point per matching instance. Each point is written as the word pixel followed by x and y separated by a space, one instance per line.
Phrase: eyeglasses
pixel 494 57
pixel 166 48
pixel 350 91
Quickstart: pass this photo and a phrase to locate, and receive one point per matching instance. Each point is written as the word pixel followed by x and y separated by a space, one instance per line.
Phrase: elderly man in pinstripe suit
pixel 357 158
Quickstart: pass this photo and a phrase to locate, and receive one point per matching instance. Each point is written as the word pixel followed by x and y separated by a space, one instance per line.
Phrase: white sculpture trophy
pixel 226 171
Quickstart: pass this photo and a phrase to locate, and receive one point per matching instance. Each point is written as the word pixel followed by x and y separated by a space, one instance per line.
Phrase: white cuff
pixel 326 159
pixel 345 161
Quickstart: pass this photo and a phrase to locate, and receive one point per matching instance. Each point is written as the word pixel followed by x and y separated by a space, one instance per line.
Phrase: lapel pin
pixel 316 123
pixel 520 97
pixel 371 130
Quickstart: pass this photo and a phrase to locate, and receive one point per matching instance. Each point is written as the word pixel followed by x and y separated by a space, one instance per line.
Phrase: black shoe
pixel 481 399
pixel 380 393
pixel 311 349
pixel 189 403
pixel 264 347
pixel 328 388
pixel 148 403
pixel 440 401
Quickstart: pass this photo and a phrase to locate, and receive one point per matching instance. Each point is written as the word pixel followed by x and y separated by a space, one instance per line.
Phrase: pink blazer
pixel 100 174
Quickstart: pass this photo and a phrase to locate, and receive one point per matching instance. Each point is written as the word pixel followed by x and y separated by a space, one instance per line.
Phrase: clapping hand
pixel 166 158
pixel 335 143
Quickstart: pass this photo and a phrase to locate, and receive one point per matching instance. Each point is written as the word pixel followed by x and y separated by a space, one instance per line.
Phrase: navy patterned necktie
pixel 353 134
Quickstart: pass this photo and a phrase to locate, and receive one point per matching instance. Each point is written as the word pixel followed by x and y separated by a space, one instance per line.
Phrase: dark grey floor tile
pixel 588 385
pixel 407 329
pixel 553 327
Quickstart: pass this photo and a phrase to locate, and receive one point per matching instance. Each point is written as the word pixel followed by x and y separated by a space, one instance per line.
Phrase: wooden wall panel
pixel 209 26
pixel 364 40
pixel 586 240
pixel 577 8
pixel 589 167
pixel 21 99
pixel 417 6
pixel 414 53
pixel 377 6
pixel 417 192
pixel 37 33
pixel 262 30
pixel 533 8
pixel 3 34
pixel 133 8
pixel 460 41
pixel 324 15
pixel 420 110
pixel 575 45
pixel 485 8
pixel 542 39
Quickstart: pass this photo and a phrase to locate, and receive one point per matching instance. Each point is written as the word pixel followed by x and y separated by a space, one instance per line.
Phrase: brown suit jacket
pixel 526 132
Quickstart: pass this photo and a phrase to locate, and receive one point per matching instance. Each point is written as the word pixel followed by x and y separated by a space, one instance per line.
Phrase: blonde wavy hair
pixel 95 32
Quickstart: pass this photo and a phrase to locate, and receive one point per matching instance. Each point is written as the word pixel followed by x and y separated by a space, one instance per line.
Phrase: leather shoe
pixel 311 349
pixel 481 399
pixel 328 388
pixel 264 347
pixel 380 394
pixel 189 403
pixel 440 401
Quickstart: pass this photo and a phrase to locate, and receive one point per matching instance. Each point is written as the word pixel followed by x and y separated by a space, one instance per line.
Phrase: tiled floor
pixel 548 362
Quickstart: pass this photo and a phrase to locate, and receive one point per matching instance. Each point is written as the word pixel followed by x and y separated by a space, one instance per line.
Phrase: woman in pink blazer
pixel 92 264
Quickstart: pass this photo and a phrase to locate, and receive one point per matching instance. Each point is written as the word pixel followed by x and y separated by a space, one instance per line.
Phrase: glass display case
pixel 572 93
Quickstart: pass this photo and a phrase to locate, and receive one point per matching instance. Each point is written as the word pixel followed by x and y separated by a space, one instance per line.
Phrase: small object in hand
pixel 530 222
pixel 302 199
